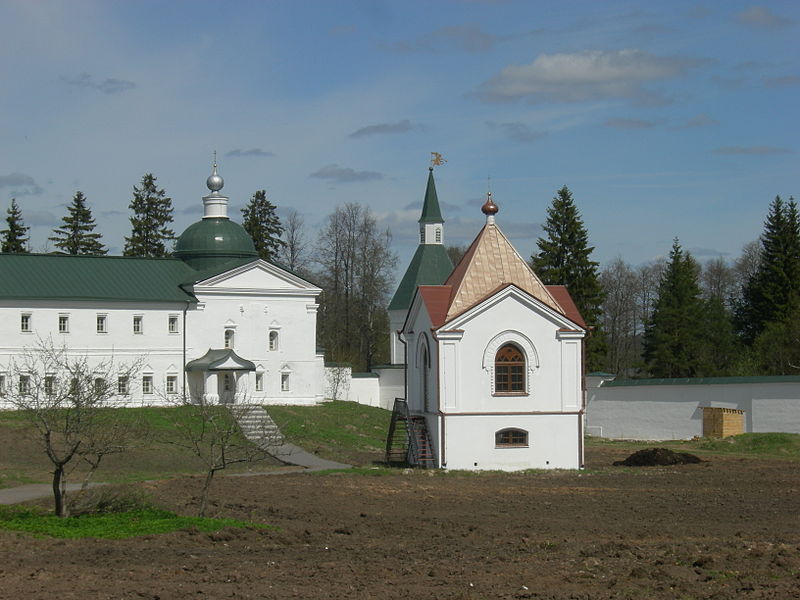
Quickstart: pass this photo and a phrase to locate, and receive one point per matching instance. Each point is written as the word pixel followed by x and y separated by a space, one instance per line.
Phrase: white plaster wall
pixel 661 412
pixel 553 385
pixel 553 442
pixel 365 390
pixel 392 385
pixel 396 349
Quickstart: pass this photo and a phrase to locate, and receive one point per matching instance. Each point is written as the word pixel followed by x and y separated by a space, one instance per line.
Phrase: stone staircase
pixel 257 426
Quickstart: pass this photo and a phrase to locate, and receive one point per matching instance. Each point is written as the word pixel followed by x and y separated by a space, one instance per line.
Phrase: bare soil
pixel 723 528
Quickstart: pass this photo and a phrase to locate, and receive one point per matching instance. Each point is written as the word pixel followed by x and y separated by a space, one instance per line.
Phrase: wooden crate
pixel 722 422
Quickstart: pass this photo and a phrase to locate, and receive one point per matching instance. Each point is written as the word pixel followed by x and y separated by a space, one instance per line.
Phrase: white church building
pixel 213 322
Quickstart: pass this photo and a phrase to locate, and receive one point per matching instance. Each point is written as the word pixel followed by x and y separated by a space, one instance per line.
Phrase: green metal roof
pixel 107 278
pixel 430 266
pixel 703 381
pixel 431 213
pixel 212 242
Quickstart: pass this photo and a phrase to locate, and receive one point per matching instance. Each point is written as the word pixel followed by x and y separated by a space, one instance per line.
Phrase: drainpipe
pixel 185 309
pixel 405 365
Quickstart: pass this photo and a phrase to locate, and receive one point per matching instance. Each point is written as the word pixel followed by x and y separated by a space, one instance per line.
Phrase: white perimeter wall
pixel 664 412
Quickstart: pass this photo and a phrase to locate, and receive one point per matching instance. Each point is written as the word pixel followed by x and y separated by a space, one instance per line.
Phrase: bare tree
pixel 619 282
pixel 216 434
pixel 718 280
pixel 747 264
pixel 356 271
pixel 294 253
pixel 70 401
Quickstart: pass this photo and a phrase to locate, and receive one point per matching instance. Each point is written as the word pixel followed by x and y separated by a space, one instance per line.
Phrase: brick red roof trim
pixel 561 294
pixel 437 301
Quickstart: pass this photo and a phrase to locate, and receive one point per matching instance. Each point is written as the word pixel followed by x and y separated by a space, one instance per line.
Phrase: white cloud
pixel 586 75
pixel 20 184
pixel 258 152
pixel 759 16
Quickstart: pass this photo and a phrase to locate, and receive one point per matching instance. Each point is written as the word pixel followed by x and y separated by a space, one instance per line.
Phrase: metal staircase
pixel 408 442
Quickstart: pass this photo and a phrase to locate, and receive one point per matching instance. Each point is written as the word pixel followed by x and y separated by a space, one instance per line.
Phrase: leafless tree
pixel 221 435
pixel 718 280
pixel 747 263
pixel 70 401
pixel 619 282
pixel 294 253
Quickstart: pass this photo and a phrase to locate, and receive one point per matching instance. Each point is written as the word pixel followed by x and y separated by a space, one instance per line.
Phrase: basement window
pixel 511 438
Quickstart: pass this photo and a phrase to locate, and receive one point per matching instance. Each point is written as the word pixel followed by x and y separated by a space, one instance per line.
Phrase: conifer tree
pixel 564 258
pixel 152 214
pixel 263 225
pixel 76 234
pixel 770 292
pixel 673 338
pixel 15 238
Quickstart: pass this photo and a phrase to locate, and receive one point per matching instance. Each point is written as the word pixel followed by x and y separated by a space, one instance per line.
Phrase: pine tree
pixel 768 294
pixel 15 238
pixel 263 225
pixel 564 259
pixel 673 339
pixel 76 235
pixel 152 213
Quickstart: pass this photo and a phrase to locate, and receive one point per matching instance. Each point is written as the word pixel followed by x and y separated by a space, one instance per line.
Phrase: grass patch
pixel 755 445
pixel 344 431
pixel 111 526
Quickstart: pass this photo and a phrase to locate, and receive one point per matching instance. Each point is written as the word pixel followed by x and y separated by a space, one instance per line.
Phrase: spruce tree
pixel 673 338
pixel 76 234
pixel 768 295
pixel 15 238
pixel 564 258
pixel 152 213
pixel 263 225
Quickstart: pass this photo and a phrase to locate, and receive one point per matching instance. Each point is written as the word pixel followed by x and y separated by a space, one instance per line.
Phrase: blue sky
pixel 664 118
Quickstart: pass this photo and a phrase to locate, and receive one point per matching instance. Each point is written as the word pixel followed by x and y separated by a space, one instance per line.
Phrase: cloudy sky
pixel 664 118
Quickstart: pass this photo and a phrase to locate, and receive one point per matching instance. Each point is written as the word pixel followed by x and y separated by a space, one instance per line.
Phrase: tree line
pixel 672 317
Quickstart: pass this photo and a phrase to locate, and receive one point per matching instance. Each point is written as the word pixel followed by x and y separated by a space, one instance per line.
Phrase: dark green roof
pixel 109 278
pixel 431 213
pixel 212 242
pixel 703 380
pixel 430 266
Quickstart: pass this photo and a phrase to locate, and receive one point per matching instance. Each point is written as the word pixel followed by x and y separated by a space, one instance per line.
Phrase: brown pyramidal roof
pixel 491 262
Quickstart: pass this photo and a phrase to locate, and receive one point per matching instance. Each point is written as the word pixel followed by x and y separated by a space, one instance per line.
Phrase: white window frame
pixel 147 385
pixel 259 381
pixel 123 385
pixel 138 324
pixel 25 322
pixel 438 235
pixel 24 385
pixel 3 384
pixel 49 385
pixel 285 387
pixel 173 324
pixel 172 384
pixel 274 340
pixel 102 323
pixel 63 323
pixel 229 338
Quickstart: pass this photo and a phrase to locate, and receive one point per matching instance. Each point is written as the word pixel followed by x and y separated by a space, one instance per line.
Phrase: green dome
pixel 212 242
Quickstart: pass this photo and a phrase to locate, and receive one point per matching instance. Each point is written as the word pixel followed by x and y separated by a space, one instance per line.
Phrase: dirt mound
pixel 653 457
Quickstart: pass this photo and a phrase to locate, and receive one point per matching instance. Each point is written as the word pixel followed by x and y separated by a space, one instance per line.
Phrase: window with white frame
pixel 102 323
pixel 100 386
pixel 173 324
pixel 285 382
pixel 138 324
pixel 24 385
pixel 259 382
pixel 172 384
pixel 49 385
pixel 25 322
pixel 123 385
pixel 227 382
pixel 229 334
pixel 3 384
pixel 273 340
pixel 63 323
pixel 147 384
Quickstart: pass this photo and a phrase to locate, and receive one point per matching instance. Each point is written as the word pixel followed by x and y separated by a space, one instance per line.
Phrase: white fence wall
pixel 662 412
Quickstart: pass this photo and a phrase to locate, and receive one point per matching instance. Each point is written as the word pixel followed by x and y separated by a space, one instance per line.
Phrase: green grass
pixel 109 526
pixel 761 445
pixel 345 431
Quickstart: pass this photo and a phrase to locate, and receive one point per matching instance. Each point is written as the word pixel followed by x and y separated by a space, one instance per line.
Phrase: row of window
pixel 230 338
pixel 124 387
pixel 26 323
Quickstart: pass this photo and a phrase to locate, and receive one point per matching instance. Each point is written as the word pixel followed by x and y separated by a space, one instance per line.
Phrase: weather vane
pixel 436 159
pixel 215 158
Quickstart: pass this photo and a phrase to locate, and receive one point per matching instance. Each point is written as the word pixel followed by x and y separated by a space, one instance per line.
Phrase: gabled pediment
pixel 258 276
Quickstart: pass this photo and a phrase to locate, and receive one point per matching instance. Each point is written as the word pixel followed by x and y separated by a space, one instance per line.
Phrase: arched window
pixel 511 438
pixel 509 370
pixel 438 235
pixel 273 340
pixel 229 333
